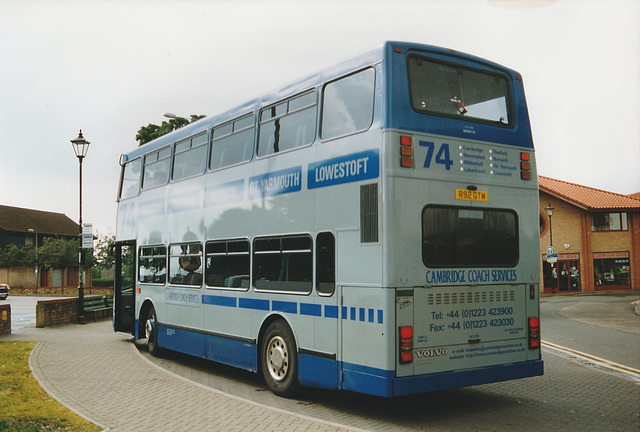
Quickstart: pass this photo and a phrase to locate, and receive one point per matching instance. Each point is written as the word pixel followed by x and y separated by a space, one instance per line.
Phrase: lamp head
pixel 80 146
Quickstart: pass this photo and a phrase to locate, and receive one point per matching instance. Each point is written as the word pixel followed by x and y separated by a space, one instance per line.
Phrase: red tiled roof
pixel 635 195
pixel 586 197
pixel 18 219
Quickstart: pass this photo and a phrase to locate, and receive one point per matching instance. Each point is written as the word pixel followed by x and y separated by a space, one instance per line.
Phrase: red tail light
pixel 406 151
pixel 534 333
pixel 406 344
pixel 525 166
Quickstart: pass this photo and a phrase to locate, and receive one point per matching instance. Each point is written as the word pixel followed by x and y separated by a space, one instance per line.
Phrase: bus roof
pixel 373 56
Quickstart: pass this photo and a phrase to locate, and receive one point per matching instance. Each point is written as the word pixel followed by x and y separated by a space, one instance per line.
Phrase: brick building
pixel 595 234
pixel 27 227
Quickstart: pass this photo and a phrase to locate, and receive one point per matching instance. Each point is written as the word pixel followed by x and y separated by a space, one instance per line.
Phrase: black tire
pixel 151 332
pixel 279 360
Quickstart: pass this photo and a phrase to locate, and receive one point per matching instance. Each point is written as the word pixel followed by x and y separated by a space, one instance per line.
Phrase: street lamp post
pixel 80 147
pixel 31 230
pixel 549 210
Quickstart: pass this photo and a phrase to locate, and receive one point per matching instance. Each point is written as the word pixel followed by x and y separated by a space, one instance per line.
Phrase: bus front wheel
pixel 151 332
pixel 280 360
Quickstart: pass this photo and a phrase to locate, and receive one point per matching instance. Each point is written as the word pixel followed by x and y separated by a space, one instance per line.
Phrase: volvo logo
pixel 432 352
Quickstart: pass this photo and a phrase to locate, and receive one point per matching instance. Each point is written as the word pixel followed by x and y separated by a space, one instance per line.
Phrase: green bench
pixel 98 306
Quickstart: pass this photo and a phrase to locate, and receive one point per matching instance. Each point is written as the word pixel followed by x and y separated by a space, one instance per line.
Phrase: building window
pixel 609 222
pixel 611 269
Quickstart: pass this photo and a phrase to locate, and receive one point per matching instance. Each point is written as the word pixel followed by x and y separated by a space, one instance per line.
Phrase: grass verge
pixel 24 405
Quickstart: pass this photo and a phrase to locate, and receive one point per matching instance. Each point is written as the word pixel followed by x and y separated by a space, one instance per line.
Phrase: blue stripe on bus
pixel 220 300
pixel 257 304
pixel 310 309
pixel 284 306
pixel 331 311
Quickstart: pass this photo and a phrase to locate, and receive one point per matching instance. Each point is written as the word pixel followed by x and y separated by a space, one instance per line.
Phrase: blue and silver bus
pixel 373 227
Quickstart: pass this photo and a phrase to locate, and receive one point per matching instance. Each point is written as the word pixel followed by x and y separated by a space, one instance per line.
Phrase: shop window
pixel 609 222
pixel 611 270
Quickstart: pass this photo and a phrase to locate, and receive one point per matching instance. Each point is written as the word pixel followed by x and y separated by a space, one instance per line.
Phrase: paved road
pixel 605 326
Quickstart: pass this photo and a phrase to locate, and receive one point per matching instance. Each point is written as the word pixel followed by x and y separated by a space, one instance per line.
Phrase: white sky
pixel 110 67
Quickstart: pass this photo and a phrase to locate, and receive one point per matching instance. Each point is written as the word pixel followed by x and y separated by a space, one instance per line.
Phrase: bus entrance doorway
pixel 124 287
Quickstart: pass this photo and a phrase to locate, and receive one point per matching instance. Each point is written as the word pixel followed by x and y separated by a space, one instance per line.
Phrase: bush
pixel 103 283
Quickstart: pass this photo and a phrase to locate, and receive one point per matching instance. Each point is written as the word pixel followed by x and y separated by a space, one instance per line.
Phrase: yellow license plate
pixel 471 195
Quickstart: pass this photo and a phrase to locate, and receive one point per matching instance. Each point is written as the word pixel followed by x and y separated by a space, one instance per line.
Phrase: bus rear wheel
pixel 279 360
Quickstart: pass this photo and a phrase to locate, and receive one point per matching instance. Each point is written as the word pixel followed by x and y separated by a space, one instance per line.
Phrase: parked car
pixel 4 291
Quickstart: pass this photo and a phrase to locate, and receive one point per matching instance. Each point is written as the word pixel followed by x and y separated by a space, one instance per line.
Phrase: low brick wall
pixel 64 311
pixel 60 291
pixel 51 312
pixel 5 318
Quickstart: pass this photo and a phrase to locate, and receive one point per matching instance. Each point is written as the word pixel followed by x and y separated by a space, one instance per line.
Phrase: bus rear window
pixel 469 237
pixel 455 91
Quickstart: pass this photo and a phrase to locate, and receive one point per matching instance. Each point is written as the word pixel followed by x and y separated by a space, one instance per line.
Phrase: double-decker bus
pixel 373 227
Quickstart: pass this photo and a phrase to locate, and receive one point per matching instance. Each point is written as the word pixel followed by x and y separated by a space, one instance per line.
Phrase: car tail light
pixel 534 333
pixel 406 344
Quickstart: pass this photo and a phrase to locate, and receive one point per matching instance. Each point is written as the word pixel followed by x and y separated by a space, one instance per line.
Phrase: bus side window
pixel 325 263
pixel 152 264
pixel 288 124
pixel 190 157
pixel 156 168
pixel 283 264
pixel 185 264
pixel 232 142
pixel 348 105
pixel 227 264
pixel 130 185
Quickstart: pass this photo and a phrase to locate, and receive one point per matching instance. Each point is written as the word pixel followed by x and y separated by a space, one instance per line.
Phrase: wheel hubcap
pixel 148 328
pixel 277 358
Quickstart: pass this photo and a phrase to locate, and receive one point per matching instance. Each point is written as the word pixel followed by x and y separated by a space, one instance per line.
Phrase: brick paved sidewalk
pixel 101 376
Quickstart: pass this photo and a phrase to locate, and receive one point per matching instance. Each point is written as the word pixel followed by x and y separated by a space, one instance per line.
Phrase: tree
pixel 102 253
pixel 153 131
pixel 17 256
pixel 58 253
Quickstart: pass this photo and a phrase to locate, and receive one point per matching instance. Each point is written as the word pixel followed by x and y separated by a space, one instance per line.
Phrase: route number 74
pixel 442 156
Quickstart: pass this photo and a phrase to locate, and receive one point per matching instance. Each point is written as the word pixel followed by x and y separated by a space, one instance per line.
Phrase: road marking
pixel 607 364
